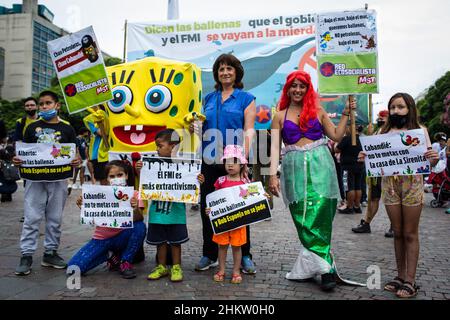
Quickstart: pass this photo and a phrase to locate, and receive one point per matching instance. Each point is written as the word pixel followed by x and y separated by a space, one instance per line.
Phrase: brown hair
pixel 413 113
pixel 230 60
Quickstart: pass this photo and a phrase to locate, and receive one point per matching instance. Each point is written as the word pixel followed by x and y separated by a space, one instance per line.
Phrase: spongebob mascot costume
pixel 150 95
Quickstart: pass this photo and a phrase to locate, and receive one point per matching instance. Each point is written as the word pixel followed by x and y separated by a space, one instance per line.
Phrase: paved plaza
pixel 274 248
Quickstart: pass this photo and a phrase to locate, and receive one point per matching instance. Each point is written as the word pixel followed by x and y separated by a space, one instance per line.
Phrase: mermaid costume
pixel 310 190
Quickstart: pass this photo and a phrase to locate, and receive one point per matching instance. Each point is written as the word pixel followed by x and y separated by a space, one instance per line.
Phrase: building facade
pixel 24 31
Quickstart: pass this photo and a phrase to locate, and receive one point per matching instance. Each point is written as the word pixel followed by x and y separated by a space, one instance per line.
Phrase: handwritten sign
pixel 347 48
pixel 399 153
pixel 107 206
pixel 235 207
pixel 46 161
pixel 170 179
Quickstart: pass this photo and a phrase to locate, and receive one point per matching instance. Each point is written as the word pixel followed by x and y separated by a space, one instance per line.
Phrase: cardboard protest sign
pixel 235 207
pixel 399 153
pixel 170 179
pixel 46 161
pixel 107 206
pixel 80 69
pixel 347 48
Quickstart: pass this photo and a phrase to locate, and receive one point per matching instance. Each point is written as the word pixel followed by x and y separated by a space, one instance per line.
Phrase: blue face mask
pixel 48 115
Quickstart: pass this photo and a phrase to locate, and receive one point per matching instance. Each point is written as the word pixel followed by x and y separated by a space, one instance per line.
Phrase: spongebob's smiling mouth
pixel 137 135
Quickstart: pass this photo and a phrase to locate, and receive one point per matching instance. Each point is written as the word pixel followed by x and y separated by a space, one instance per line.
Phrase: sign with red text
pixel 80 68
pixel 347 48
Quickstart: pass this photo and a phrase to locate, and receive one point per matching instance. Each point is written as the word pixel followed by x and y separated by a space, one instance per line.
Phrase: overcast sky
pixel 413 36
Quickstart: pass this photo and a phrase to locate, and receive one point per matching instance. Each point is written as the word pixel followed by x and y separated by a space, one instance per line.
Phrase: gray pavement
pixel 274 249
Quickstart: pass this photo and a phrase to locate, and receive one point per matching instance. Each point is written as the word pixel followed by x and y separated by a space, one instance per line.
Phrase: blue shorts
pixel 167 233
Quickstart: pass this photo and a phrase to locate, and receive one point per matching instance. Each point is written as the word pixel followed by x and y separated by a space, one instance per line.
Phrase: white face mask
pixel 122 182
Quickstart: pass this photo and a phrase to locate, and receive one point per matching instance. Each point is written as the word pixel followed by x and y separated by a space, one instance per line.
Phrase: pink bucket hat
pixel 234 151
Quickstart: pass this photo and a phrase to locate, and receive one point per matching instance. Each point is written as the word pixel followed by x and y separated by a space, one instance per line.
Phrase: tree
pixel 112 61
pixel 432 107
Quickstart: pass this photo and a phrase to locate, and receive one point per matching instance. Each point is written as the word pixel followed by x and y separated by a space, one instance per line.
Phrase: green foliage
pixel 112 61
pixel 431 107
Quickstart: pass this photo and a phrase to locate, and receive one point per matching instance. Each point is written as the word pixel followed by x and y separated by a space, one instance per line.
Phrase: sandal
pixel 411 289
pixel 236 278
pixel 394 285
pixel 219 276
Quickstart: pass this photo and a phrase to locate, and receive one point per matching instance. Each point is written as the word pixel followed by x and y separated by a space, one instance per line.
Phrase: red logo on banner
pixel 70 60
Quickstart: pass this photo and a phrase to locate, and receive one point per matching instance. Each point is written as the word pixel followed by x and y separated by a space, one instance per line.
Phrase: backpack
pixel 9 171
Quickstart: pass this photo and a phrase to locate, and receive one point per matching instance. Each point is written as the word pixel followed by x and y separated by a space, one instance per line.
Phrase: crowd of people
pixel 322 173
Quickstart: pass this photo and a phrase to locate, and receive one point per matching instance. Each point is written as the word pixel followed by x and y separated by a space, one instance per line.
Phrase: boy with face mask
pixel 44 199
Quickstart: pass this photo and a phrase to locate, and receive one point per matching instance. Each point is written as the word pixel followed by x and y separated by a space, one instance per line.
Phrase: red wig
pixel 310 100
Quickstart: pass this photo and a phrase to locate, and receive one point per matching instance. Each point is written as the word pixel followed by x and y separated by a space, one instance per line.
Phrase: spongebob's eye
pixel 158 98
pixel 121 97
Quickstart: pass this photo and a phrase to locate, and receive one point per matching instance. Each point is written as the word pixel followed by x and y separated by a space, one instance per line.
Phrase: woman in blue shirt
pixel 230 119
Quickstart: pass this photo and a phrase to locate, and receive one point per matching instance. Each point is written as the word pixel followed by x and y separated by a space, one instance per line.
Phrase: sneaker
pixel 363 227
pixel 113 263
pixel 447 211
pixel 389 233
pixel 126 270
pixel 22 219
pixel 195 207
pixel 69 189
pixel 53 260
pixel 247 265
pixel 176 274
pixel 328 282
pixel 357 209
pixel 159 272
pixel 364 203
pixel 346 211
pixel 24 267
pixel 205 263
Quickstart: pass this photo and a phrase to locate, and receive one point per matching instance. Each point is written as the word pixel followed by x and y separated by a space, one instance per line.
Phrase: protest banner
pixel 347 49
pixel 398 153
pixel 170 179
pixel 80 68
pixel 46 161
pixel 268 47
pixel 235 207
pixel 107 206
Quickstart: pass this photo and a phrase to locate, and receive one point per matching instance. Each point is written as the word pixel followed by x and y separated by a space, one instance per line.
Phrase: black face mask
pixel 31 113
pixel 380 123
pixel 398 121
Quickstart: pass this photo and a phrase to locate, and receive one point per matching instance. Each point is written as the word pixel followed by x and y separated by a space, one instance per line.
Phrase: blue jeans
pixel 95 252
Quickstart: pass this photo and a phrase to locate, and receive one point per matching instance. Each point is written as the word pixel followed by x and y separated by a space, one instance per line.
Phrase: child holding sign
pixel 234 161
pixel 167 220
pixel 123 241
pixel 403 197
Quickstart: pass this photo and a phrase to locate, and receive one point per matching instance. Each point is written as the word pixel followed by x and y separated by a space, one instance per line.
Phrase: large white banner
pixel 268 47
pixel 399 153
pixel 107 206
pixel 170 179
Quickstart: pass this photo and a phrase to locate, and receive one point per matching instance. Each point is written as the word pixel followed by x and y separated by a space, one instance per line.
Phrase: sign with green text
pixel 81 70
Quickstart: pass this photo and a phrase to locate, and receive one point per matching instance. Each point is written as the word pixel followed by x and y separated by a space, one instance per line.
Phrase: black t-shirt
pixel 349 154
pixel 44 132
